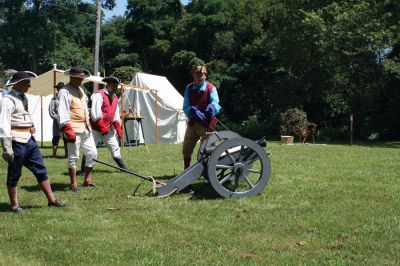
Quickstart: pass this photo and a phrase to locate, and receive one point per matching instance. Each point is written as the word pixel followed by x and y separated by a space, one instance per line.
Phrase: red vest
pixel 108 108
pixel 198 98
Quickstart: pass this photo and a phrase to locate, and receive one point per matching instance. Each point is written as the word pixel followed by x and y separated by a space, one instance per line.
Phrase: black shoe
pixel 58 204
pixel 90 185
pixel 74 188
pixel 17 209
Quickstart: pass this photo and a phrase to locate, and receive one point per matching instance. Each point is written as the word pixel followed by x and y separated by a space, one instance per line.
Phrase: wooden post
pixel 351 129
pixel 122 114
pixel 54 82
pixel 157 117
pixel 41 121
pixel 97 43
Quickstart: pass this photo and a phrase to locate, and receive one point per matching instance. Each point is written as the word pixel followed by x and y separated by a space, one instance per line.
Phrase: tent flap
pixel 171 119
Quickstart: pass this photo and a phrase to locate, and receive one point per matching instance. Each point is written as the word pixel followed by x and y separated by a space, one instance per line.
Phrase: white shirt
pixel 97 103
pixel 7 107
pixel 64 106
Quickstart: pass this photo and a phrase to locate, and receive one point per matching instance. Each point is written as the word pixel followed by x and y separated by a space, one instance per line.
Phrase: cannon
pixel 235 166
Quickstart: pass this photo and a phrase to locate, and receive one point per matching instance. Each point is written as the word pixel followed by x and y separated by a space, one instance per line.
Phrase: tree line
pixel 331 58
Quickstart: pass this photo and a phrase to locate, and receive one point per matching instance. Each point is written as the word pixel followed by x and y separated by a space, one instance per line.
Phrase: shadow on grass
pixel 51 157
pixel 204 191
pixel 47 147
pixel 5 207
pixel 379 144
pixel 54 187
pixel 164 177
pixel 79 173
pixel 371 144
pixel 198 191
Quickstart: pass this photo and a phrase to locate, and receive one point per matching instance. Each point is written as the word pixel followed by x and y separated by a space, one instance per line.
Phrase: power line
pixel 64 7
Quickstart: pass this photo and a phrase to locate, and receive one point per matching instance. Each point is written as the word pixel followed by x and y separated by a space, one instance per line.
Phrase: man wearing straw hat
pixel 73 117
pixel 105 118
pixel 19 145
pixel 201 105
pixel 53 112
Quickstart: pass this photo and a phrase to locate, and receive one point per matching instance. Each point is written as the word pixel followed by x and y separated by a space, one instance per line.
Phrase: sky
pixel 121 8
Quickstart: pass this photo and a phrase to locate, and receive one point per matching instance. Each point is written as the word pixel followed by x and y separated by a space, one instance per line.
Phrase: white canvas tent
pixel 163 120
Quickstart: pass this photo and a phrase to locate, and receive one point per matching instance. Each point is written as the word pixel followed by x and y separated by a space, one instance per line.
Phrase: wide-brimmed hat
pixel 77 72
pixel 111 79
pixel 59 85
pixel 20 76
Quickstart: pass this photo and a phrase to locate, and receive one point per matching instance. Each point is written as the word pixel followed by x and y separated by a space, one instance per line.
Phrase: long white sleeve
pixel 7 107
pixel 97 103
pixel 116 115
pixel 64 107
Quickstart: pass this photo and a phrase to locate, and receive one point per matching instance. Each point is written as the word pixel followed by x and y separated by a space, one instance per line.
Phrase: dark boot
pixel 55 151
pixel 186 162
pixel 120 163
pixel 65 148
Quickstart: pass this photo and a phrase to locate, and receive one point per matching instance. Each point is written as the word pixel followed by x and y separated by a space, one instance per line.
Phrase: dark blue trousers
pixel 28 155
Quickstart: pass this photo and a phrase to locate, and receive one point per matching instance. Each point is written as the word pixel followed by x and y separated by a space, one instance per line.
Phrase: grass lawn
pixel 332 204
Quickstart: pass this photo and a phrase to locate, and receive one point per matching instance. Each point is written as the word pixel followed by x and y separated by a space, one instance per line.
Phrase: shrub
pixel 291 119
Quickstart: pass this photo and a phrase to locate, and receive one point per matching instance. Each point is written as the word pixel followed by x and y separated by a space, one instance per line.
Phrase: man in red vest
pixel 201 105
pixel 105 118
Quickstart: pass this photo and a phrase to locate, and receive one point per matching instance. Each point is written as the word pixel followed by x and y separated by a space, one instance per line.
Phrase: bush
pixel 251 128
pixel 126 73
pixel 291 119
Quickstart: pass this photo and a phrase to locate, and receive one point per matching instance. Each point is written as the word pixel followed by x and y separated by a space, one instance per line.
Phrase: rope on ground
pixel 160 184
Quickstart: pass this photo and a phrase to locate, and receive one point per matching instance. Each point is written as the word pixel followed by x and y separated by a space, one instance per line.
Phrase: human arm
pixel 95 111
pixel 213 108
pixel 116 123
pixel 186 103
pixel 64 116
pixel 53 108
pixel 96 114
pixel 64 107
pixel 7 107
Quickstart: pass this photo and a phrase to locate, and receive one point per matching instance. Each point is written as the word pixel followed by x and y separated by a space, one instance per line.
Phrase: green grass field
pixel 324 205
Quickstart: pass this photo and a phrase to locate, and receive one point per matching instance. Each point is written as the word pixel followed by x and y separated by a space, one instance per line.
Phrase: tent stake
pixel 156 117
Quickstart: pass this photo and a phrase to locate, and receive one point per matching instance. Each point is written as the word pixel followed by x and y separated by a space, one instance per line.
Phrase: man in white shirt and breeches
pixel 73 117
pixel 105 117
pixel 19 145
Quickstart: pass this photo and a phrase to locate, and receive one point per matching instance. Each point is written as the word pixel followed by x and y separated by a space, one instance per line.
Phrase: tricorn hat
pixel 59 85
pixel 111 79
pixel 20 76
pixel 77 72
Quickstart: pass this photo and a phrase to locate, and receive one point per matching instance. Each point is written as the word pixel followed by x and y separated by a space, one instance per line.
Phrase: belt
pixel 24 129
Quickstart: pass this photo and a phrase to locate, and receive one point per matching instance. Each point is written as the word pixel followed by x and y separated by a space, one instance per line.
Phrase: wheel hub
pixel 240 169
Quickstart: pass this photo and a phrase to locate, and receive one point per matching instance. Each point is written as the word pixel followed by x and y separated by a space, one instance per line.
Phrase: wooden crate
pixel 287 139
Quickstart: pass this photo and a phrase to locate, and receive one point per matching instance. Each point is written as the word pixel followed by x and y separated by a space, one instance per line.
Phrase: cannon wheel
pixel 213 140
pixel 238 168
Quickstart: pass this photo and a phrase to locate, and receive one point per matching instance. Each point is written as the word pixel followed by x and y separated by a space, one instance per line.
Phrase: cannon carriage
pixel 236 167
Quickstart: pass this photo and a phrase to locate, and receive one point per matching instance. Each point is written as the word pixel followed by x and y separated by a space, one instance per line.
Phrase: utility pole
pixel 97 42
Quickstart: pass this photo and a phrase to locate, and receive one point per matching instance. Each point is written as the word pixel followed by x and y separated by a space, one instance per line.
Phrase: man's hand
pixel 69 133
pixel 198 115
pixel 117 127
pixel 102 127
pixel 8 153
pixel 210 110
